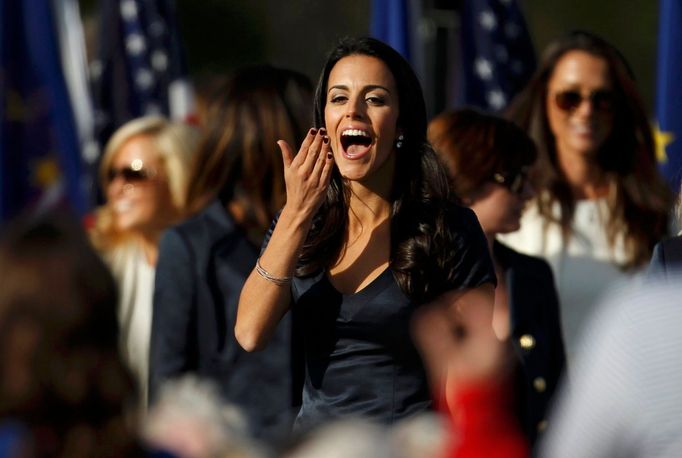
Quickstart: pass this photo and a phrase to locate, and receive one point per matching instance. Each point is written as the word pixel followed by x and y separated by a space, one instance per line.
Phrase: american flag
pixel 140 68
pixel 498 57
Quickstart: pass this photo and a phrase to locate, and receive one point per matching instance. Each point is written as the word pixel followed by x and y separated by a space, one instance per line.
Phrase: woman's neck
pixel 370 203
pixel 367 209
pixel 584 176
pixel 149 242
pixel 248 222
pixel 490 238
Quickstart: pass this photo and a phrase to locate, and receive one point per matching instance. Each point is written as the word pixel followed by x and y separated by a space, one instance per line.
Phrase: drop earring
pixel 399 141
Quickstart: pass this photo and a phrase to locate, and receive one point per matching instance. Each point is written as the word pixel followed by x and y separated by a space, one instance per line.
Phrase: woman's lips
pixel 122 206
pixel 355 143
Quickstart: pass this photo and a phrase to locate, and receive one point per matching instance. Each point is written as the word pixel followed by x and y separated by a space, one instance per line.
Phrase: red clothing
pixel 484 424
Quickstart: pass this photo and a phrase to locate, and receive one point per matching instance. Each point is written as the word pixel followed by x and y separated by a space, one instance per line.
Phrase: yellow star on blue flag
pixel 662 140
pixel 669 92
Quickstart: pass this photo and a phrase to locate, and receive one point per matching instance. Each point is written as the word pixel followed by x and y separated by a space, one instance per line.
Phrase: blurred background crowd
pixel 140 173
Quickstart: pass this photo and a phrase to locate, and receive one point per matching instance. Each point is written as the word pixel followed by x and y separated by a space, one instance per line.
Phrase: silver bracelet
pixel 280 281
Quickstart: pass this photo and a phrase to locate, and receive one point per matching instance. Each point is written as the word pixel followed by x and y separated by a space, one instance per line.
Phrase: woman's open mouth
pixel 355 143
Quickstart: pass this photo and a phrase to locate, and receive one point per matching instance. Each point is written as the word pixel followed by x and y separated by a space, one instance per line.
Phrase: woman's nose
pixel 586 107
pixel 527 192
pixel 115 185
pixel 354 109
pixel 118 186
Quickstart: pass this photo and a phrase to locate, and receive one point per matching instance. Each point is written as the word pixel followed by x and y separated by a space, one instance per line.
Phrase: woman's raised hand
pixel 457 341
pixel 307 174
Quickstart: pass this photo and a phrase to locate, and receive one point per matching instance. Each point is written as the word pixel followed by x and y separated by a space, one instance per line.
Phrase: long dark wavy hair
pixel 238 158
pixel 421 254
pixel 639 199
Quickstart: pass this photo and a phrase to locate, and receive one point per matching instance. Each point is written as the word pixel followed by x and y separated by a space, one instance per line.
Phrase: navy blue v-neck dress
pixel 360 359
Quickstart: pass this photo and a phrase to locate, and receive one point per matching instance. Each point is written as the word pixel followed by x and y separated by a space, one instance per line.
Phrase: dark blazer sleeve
pixel 666 258
pixel 657 264
pixel 173 318
pixel 558 353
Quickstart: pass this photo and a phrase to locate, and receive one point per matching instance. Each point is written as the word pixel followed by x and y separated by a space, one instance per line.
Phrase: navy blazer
pixel 535 330
pixel 203 263
pixel 666 260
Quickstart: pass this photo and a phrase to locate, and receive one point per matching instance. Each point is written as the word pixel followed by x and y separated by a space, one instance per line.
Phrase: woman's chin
pixel 510 228
pixel 352 172
pixel 585 147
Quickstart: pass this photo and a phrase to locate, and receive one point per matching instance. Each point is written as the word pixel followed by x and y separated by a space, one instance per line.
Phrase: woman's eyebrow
pixel 369 87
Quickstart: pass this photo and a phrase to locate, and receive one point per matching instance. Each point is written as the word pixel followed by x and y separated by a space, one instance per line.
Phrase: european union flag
pixel 669 92
pixel 140 68
pixel 498 57
pixel 40 157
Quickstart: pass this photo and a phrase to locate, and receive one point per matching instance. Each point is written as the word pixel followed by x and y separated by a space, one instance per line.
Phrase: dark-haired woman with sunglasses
pixel 143 174
pixel 601 204
pixel 487 159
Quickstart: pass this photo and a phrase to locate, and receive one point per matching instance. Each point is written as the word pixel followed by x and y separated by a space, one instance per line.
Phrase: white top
pixel 624 397
pixel 135 279
pixel 584 268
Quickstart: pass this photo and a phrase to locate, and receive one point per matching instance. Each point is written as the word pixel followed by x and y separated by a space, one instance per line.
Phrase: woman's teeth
pixel 355 133
pixel 354 137
pixel 122 206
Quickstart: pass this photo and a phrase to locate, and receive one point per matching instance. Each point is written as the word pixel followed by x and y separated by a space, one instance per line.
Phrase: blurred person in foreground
pixel 624 395
pixel 236 187
pixel 64 390
pixel 421 436
pixel 143 173
pixel 488 159
pixel 601 203
pixel 469 364
pixel 191 420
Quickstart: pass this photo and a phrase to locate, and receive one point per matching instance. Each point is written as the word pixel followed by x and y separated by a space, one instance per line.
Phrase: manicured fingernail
pixel 323 131
pixel 326 139
pixel 313 131
pixel 329 155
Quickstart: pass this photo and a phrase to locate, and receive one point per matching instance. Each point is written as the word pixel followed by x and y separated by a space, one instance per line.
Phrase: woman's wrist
pixel 295 219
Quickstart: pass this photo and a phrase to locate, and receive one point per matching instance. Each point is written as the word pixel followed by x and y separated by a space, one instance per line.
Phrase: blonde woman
pixel 144 176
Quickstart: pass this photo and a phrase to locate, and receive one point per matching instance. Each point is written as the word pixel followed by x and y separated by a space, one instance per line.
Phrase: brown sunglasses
pixel 133 173
pixel 513 181
pixel 570 100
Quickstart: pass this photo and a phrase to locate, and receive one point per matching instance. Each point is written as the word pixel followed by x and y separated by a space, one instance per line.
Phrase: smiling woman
pixel 601 204
pixel 367 235
pixel 143 173
pixel 361 116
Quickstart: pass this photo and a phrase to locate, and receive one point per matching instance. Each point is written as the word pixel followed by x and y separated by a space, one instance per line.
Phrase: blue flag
pixel 140 68
pixel 40 158
pixel 391 23
pixel 669 92
pixel 498 58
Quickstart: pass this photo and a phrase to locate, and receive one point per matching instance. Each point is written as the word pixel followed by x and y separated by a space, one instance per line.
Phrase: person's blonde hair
pixel 174 143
